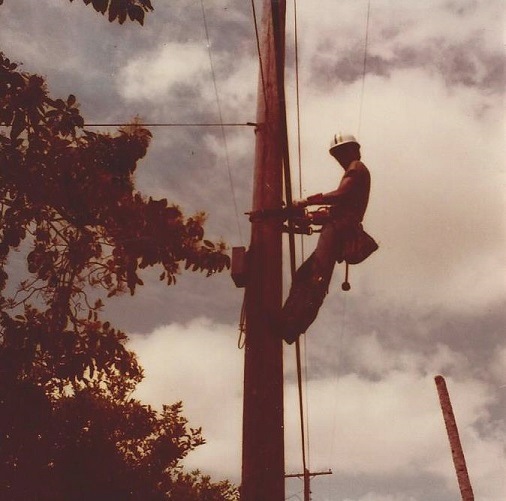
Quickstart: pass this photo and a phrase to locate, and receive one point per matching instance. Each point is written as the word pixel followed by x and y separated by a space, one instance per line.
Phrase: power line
pixel 246 124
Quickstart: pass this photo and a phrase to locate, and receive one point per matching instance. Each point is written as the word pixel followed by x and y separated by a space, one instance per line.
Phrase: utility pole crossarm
pixel 311 474
pixel 306 476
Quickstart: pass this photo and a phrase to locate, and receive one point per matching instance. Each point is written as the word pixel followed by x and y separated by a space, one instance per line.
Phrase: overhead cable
pixel 246 124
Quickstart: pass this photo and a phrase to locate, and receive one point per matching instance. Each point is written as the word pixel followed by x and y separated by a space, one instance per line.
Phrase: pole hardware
pixel 302 221
pixel 239 270
pixel 306 476
pixel 345 286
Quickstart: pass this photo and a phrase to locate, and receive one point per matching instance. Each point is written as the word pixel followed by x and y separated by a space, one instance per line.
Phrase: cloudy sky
pixel 430 114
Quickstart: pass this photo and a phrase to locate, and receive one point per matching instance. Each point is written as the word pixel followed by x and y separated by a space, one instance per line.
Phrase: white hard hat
pixel 340 139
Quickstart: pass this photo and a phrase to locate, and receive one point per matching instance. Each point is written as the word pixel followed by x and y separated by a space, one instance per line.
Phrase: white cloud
pixel 153 75
pixel 200 364
pixel 437 206
pixel 370 357
pixel 371 496
pixel 355 422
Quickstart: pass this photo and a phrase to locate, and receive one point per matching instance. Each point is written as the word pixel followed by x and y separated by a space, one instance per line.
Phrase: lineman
pixel 342 238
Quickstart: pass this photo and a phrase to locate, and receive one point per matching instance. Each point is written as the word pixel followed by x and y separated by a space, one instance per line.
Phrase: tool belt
pixel 358 246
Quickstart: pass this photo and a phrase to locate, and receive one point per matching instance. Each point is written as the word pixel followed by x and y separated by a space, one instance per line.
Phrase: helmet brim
pixel 338 146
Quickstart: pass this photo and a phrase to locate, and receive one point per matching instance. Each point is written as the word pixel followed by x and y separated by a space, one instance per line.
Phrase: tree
pixel 94 445
pixel 67 199
pixel 69 207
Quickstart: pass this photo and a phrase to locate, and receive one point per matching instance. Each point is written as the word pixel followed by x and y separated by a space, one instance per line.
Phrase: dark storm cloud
pixel 85 53
pixel 468 65
pixel 475 333
pixel 194 295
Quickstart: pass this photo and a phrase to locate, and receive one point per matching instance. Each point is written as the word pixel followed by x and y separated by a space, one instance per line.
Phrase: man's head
pixel 345 149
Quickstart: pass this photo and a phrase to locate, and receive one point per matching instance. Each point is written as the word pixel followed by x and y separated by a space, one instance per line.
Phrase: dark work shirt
pixel 352 195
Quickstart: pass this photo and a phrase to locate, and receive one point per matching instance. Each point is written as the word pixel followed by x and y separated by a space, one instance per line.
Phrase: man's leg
pixel 310 286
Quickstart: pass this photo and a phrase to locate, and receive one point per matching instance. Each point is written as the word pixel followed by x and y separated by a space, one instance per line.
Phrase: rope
pixel 366 43
pixel 299 161
pixel 231 181
pixel 301 405
pixel 241 342
pixel 338 365
pixel 288 194
pixel 297 95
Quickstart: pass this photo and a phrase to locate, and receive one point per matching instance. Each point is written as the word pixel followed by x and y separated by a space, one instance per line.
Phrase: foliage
pixel 70 212
pixel 67 199
pixel 92 445
pixel 121 9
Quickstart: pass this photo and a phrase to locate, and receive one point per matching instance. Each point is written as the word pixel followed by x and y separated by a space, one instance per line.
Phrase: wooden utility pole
pixel 459 460
pixel 263 437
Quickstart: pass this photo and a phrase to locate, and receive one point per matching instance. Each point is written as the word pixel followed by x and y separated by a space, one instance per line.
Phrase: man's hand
pixel 299 203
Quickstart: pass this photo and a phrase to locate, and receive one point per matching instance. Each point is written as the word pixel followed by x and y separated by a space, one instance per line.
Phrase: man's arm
pixel 331 198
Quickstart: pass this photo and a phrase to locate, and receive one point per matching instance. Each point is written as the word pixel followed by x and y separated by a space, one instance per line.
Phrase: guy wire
pixel 224 136
pixel 259 55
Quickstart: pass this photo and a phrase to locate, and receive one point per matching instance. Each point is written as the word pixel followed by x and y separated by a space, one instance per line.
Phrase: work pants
pixel 311 281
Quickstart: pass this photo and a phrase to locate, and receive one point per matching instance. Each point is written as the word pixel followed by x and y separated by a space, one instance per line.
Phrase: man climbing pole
pixel 342 238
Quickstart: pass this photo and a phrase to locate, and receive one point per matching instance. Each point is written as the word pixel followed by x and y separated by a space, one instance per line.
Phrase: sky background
pixel 430 115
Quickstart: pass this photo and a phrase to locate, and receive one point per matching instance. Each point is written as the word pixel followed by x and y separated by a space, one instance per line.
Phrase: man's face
pixel 346 153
